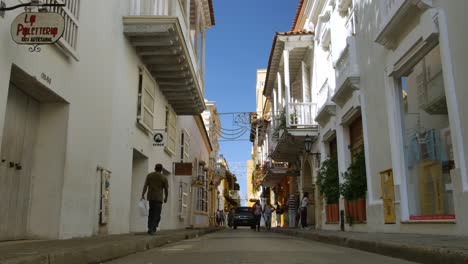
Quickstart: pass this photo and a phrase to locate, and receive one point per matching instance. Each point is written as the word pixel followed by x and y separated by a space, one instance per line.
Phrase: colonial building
pixel 78 119
pixel 385 80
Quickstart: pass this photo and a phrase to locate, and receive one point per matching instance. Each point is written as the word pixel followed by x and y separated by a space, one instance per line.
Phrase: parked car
pixel 244 217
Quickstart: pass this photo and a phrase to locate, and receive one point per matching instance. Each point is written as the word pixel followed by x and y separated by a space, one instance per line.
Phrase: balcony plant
pixel 293 119
pixel 354 189
pixel 281 125
pixel 329 187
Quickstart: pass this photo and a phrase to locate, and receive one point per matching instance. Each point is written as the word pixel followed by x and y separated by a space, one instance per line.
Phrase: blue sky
pixel 236 47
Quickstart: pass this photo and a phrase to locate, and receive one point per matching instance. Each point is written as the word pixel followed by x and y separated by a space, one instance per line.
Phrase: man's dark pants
pixel 154 216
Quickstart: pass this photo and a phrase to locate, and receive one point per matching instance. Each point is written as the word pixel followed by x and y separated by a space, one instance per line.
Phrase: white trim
pixel 451 97
pixel 370 191
pixel 395 122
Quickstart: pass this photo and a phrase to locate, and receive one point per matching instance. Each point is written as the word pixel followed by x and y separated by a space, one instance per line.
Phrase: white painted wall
pixel 95 127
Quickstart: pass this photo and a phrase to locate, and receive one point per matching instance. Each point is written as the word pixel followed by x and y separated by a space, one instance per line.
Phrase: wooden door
pixel 19 135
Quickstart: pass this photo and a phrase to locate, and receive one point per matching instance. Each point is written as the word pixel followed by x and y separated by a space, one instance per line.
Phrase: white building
pixel 387 77
pixel 77 118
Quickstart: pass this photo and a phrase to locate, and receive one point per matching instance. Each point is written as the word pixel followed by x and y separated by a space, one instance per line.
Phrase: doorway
pixel 19 138
pixel 138 222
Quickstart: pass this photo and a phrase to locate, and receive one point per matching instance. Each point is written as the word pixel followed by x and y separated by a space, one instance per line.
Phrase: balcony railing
pixel 302 114
pixel 347 66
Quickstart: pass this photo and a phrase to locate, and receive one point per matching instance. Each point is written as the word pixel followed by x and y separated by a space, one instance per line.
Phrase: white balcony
pixel 347 73
pixel 302 115
pixel 160 32
pixel 398 14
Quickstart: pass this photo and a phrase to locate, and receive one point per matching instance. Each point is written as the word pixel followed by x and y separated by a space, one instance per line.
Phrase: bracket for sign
pixel 35 48
pixel 4 8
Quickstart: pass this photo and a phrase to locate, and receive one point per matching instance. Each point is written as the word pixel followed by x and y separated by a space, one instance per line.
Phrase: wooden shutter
pixel 171 130
pixel 146 99
pixel 184 146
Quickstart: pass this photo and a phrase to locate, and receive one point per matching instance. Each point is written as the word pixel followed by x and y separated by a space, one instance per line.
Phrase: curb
pixel 108 250
pixel 414 253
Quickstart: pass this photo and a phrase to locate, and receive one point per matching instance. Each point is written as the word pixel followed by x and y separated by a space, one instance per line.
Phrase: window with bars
pixel 171 130
pixel 202 192
pixel 71 13
pixel 146 100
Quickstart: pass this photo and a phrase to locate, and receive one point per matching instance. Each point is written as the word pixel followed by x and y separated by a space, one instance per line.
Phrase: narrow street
pixel 246 246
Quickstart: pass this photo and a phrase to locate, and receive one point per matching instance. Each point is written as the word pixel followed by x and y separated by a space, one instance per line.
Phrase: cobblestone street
pixel 246 246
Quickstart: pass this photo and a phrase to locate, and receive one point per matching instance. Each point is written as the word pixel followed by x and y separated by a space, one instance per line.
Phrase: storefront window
pixel 427 140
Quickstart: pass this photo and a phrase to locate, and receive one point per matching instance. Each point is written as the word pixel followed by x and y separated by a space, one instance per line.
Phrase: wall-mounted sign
pixel 183 169
pixel 159 138
pixel 388 196
pixel 37 28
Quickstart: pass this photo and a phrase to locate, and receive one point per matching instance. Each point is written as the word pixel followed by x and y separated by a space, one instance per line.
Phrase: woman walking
pixel 304 204
pixel 257 211
pixel 267 211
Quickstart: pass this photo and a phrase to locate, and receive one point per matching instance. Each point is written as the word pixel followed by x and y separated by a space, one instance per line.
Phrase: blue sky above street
pixel 236 47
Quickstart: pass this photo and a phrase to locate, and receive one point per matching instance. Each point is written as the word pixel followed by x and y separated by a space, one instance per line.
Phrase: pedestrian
pixel 303 208
pixel 267 211
pixel 155 184
pixel 257 212
pixel 298 209
pixel 218 217
pixel 222 217
pixel 292 210
pixel 231 217
pixel 279 211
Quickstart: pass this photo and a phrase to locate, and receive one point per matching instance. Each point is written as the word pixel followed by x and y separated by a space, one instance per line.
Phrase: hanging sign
pixel 37 28
pixel 159 138
pixel 183 169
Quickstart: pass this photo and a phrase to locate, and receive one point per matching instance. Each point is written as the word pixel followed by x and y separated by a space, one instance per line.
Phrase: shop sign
pixel 37 28
pixel 159 138
pixel 183 169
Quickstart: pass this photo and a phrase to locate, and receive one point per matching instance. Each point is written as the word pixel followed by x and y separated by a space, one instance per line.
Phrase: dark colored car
pixel 244 217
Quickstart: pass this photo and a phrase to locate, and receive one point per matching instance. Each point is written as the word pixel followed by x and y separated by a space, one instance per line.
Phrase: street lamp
pixel 308 144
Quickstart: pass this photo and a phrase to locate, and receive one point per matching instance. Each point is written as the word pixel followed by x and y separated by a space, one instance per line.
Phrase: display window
pixel 427 140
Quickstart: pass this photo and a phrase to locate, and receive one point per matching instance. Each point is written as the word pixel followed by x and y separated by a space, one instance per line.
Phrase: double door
pixel 19 134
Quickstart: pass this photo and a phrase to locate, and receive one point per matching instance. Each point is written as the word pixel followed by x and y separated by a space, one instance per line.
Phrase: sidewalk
pixel 427 249
pixel 90 250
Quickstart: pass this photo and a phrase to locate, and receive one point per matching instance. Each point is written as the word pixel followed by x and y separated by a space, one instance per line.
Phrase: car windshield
pixel 242 209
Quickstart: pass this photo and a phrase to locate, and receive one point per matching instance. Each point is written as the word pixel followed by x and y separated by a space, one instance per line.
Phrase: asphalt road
pixel 244 246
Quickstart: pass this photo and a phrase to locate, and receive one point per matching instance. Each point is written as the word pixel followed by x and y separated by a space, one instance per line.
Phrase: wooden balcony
pixel 159 30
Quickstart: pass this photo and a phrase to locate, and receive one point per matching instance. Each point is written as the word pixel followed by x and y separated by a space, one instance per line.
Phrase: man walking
pixel 155 183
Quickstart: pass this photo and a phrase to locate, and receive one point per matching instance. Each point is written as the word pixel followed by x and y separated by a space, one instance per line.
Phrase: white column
pixel 275 113
pixel 287 84
pixel 203 60
pixel 280 92
pixel 306 111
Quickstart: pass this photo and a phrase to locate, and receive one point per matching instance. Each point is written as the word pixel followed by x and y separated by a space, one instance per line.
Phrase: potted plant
pixel 354 188
pixel 329 187
pixel 293 119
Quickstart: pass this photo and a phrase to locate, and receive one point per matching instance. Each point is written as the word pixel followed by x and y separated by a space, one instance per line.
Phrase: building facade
pixel 386 80
pixel 77 119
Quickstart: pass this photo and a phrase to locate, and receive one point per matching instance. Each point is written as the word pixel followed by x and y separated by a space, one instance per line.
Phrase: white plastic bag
pixel 143 207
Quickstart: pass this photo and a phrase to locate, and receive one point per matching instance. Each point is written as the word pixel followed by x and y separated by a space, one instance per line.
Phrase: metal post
pixel 342 220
